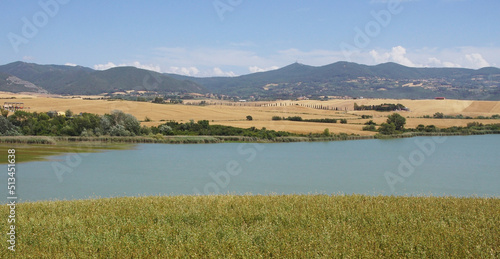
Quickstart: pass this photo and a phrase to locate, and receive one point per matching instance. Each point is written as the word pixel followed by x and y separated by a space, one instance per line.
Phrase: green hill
pixel 389 80
pixel 81 80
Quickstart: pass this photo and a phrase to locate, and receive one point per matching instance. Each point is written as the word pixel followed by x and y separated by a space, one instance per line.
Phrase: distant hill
pixel 389 80
pixel 58 79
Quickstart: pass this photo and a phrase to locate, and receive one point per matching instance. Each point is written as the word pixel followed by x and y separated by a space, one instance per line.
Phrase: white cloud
pixel 435 62
pixel 468 57
pixel 104 66
pixel 136 64
pixel 205 62
pixel 186 71
pixel 71 64
pixel 397 54
pixel 218 72
pixel 27 58
pixel 255 69
pixel 477 60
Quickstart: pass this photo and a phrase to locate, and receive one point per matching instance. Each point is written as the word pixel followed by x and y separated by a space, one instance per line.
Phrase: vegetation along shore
pixel 119 127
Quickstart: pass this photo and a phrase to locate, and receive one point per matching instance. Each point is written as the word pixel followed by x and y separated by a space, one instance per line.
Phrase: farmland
pixel 234 113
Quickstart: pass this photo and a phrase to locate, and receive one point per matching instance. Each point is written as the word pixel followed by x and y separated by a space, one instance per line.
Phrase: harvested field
pixel 234 114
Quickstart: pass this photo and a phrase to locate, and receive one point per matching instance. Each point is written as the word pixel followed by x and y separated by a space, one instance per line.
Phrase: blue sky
pixel 235 37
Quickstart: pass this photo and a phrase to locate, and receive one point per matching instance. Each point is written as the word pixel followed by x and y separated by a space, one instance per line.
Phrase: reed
pixel 282 226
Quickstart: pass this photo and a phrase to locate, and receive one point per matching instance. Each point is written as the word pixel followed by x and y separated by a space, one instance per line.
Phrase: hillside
pixel 57 79
pixel 389 80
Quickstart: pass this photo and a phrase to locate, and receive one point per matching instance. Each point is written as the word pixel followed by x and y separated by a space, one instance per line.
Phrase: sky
pixel 237 37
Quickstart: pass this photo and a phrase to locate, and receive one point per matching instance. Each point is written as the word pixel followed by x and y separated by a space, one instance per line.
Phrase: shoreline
pixel 53 140
pixel 250 195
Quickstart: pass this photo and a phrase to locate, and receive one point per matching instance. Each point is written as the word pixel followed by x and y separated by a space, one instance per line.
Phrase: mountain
pixel 59 79
pixel 388 80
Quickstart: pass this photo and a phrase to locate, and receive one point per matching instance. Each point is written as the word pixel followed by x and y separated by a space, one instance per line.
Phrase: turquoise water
pixel 457 166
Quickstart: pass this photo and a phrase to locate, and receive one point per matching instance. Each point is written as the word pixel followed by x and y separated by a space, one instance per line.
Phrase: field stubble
pixel 236 115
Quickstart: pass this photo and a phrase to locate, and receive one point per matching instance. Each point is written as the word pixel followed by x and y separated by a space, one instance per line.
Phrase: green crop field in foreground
pixel 283 226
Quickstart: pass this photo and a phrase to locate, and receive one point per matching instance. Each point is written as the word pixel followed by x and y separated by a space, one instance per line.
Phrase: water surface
pixel 457 166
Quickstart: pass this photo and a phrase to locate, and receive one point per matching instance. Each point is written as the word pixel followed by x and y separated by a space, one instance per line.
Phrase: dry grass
pixel 235 115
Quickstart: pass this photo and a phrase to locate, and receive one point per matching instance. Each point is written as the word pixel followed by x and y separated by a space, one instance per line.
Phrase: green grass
pixel 282 226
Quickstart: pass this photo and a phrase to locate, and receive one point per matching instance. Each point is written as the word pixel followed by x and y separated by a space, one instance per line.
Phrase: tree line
pixel 117 123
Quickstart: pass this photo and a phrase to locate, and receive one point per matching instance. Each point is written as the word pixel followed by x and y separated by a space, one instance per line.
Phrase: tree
pixel 438 115
pixel 7 128
pixel 398 121
pixel 249 118
pixel 343 121
pixel 387 128
pixel 68 113
pixel 158 100
pixel 326 132
pixel 4 112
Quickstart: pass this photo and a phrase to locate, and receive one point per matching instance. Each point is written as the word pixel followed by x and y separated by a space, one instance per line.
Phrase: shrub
pixel 438 115
pixel 387 129
pixel 369 128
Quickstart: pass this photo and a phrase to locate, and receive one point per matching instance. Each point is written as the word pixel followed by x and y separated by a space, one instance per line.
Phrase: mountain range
pixel 388 80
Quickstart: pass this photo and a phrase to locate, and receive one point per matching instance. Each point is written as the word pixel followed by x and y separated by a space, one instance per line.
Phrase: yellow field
pixel 236 115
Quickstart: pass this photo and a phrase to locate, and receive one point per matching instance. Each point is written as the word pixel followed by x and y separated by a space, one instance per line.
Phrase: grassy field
pixel 236 115
pixel 282 226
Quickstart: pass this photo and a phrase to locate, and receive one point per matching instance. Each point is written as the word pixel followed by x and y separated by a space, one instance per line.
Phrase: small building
pixel 13 106
pixel 440 98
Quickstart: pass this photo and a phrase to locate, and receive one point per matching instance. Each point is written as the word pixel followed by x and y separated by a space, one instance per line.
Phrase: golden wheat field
pixel 234 114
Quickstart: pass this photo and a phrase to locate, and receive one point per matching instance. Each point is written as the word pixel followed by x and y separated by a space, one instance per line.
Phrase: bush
pixel 387 128
pixel 294 118
pixel 277 118
pixel 119 130
pixel 398 121
pixel 249 118
pixel 7 128
pixel 438 115
pixel 369 128
pixel 343 121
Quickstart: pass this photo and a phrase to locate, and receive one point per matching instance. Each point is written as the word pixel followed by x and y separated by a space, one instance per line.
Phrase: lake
pixel 456 166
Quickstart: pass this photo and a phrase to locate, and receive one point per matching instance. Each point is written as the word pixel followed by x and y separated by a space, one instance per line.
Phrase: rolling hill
pixel 58 79
pixel 388 80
